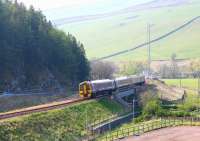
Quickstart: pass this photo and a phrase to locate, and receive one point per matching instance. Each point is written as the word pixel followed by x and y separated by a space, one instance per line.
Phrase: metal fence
pixel 149 126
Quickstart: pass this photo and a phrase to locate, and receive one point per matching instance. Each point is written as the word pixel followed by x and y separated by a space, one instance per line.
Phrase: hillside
pixel 119 30
pixel 34 54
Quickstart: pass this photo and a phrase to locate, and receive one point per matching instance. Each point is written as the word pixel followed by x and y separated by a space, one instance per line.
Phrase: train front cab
pixel 85 89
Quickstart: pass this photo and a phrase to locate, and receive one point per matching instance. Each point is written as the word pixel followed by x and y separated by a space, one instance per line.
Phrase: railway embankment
pixel 63 124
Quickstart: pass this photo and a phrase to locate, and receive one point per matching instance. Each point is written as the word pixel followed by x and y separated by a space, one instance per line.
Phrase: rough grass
pixel 104 36
pixel 192 101
pixel 67 124
pixel 187 83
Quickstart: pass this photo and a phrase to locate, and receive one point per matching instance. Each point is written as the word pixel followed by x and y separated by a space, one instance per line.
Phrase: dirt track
pixel 170 134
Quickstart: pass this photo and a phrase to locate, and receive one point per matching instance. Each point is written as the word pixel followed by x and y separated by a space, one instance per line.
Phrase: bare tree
pixel 195 67
pixel 132 67
pixel 102 70
pixel 165 71
pixel 174 66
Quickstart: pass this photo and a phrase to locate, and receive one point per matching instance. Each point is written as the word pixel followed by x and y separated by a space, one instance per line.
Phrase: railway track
pixel 41 108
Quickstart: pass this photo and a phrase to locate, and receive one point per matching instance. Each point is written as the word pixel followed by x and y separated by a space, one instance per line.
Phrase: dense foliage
pixel 34 53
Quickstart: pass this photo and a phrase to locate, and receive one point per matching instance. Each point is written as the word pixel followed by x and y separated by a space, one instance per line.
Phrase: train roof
pixel 101 81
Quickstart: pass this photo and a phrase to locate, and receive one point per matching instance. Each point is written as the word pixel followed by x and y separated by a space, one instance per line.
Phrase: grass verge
pixel 67 124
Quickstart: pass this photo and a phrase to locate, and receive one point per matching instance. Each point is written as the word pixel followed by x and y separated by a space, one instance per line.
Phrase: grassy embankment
pixel 192 101
pixel 67 124
pixel 188 108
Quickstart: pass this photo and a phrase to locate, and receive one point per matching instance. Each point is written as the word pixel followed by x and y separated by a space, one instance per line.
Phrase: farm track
pixel 152 41
pixel 41 108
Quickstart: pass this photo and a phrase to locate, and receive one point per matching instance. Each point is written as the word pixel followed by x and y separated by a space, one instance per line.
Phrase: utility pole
pixel 180 80
pixel 198 87
pixel 133 108
pixel 199 83
pixel 149 48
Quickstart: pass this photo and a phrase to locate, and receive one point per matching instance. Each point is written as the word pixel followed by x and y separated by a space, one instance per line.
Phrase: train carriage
pixel 104 87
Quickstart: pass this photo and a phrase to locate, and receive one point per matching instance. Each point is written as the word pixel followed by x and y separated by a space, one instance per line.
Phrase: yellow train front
pixel 97 88
pixel 85 89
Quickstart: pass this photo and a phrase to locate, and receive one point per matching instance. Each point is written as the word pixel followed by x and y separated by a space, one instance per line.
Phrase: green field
pixel 67 124
pixel 102 37
pixel 186 83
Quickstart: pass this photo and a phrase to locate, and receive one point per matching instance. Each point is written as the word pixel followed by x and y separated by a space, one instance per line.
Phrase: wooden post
pixel 174 121
pixel 142 128
pixel 128 132
pixel 182 120
pixel 191 120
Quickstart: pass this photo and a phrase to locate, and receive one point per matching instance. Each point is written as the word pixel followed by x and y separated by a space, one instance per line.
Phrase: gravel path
pixel 185 133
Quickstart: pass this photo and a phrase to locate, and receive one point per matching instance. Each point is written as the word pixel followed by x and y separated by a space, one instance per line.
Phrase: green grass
pixel 104 36
pixel 187 83
pixel 67 124
pixel 192 100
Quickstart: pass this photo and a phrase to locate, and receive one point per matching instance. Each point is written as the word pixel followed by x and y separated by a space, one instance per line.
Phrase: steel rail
pixel 40 109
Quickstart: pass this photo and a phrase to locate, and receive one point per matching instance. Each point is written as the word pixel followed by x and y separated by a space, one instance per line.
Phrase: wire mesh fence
pixel 149 126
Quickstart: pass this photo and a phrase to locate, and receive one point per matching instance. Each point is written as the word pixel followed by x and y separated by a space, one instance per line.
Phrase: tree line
pixel 35 54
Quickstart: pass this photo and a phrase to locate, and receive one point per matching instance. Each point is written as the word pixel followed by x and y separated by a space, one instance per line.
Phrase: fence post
pixel 123 132
pixel 128 132
pixel 182 120
pixel 143 128
pixel 174 121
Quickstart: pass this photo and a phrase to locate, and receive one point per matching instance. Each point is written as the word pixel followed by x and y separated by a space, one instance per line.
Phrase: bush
pixel 102 70
pixel 152 108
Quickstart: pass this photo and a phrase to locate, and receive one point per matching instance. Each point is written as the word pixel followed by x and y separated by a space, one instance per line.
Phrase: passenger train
pixel 97 88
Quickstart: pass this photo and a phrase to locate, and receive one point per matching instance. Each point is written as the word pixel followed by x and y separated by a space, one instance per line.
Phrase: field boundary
pixel 157 124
